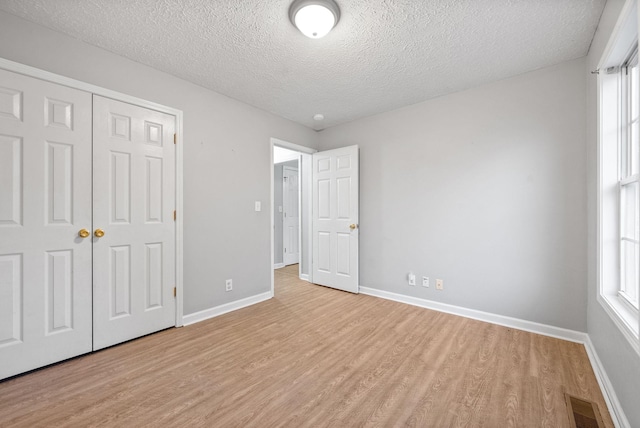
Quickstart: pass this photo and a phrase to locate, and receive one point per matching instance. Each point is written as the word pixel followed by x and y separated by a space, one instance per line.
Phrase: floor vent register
pixel 583 413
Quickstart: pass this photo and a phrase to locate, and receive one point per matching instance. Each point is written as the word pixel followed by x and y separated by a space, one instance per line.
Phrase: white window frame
pixel 612 140
pixel 627 178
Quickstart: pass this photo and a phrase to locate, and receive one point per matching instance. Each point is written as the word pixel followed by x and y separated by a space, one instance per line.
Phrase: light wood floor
pixel 313 357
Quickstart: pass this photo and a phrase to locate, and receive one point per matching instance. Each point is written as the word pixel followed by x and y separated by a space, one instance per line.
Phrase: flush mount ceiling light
pixel 314 18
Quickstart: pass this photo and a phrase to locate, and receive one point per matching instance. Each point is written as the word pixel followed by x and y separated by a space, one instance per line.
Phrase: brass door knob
pixel 99 233
pixel 353 226
pixel 83 233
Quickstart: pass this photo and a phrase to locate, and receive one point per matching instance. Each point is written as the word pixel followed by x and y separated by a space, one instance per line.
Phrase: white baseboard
pixel 530 326
pixel 615 408
pixel 227 307
pixel 304 277
pixel 278 265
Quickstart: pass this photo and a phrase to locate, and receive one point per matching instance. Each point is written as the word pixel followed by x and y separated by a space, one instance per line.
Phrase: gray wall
pixel 483 188
pixel 304 172
pixel 620 361
pixel 226 159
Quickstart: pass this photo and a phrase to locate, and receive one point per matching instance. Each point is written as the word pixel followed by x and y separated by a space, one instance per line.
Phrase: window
pixel 619 177
pixel 628 160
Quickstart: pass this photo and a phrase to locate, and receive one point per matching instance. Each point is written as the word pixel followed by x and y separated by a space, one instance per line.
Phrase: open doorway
pixel 286 202
pixel 328 212
pixel 291 207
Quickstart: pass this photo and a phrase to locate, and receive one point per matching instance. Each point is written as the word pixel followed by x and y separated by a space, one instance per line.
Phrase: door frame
pixel 97 90
pixel 304 151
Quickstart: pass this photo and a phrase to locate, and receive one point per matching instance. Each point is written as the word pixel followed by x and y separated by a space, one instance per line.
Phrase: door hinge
pixel 174 215
pixel 175 291
pixel 175 138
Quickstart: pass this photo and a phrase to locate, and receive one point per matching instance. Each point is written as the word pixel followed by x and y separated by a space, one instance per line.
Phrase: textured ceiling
pixel 383 54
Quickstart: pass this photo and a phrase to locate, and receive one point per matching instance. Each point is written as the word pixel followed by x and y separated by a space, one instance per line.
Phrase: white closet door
pixel 291 229
pixel 45 200
pixel 133 203
pixel 335 218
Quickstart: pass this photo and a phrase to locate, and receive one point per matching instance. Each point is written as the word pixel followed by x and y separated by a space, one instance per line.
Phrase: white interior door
pixel 133 201
pixel 291 216
pixel 335 218
pixel 45 200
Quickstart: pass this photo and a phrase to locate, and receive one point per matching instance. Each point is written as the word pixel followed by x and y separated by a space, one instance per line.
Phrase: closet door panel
pixel 134 199
pixel 45 200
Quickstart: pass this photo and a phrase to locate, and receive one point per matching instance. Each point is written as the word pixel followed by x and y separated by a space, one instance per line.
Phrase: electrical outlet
pixel 439 284
pixel 425 281
pixel 228 285
pixel 411 277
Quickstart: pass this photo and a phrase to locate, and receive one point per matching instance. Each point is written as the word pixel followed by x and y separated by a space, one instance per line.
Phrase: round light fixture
pixel 314 18
pixel 318 117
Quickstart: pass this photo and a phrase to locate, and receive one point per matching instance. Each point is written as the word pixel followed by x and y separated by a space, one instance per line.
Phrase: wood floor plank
pixel 313 357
